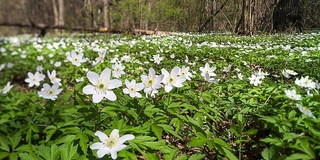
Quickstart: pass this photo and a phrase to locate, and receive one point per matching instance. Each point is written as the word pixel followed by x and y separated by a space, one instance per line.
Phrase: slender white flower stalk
pixel 110 144
pixel 101 86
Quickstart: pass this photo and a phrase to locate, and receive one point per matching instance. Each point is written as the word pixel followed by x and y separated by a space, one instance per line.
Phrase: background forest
pixel 239 16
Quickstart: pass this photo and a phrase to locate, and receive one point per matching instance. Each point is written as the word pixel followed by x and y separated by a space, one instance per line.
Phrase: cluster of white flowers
pixel 292 94
pixel 47 92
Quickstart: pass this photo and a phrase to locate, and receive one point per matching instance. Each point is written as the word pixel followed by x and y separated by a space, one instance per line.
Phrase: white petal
pixel 97 145
pixel 111 96
pixel 102 136
pixel 102 152
pixel 105 74
pixel 46 86
pixel 119 147
pixel 139 86
pixel 93 77
pixel 114 133
pixel 125 138
pixel 114 154
pixel 168 88
pixel 114 83
pixel 175 71
pixel 125 91
pixel 89 89
pixel 97 98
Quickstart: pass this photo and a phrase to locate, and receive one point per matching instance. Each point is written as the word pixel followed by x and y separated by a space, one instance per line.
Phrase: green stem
pixel 98 126
pixel 240 147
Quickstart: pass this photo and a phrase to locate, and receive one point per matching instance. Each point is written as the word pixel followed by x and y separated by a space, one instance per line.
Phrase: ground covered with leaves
pixel 179 96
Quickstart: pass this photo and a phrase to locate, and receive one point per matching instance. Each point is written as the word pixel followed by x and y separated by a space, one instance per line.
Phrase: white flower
pixel 305 82
pixel 101 86
pixel 292 94
pixel 305 111
pixel 152 82
pixel 101 56
pixel 39 68
pixel 240 76
pixel 126 58
pixel 6 88
pixel 157 59
pixel 207 70
pixel 184 72
pixel 210 79
pixel 133 88
pixel 40 58
pixel 79 79
pixel 255 80
pixel 287 73
pixel 57 64
pixel 2 66
pixel 75 59
pixel 49 92
pixel 34 79
pixel 173 79
pixel 112 144
pixel 262 74
pixel 118 70
pixel 53 77
pixel 227 69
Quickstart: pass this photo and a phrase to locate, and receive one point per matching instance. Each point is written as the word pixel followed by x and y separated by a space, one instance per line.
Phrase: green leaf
pixel 50 130
pixel 27 156
pixel 197 156
pixel 229 154
pixel 197 142
pixel 83 141
pixel 182 157
pixel 67 138
pixel 68 151
pixel 15 140
pixel 44 152
pixel 4 154
pixel 298 156
pixel 157 131
pixel 54 152
pixel 221 143
pixel 251 131
pixel 13 156
pixel 4 145
pixel 268 153
pixel 170 130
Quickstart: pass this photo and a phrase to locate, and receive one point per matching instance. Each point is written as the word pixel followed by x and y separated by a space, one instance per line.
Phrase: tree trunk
pixel 61 13
pixel 106 14
pixel 247 18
